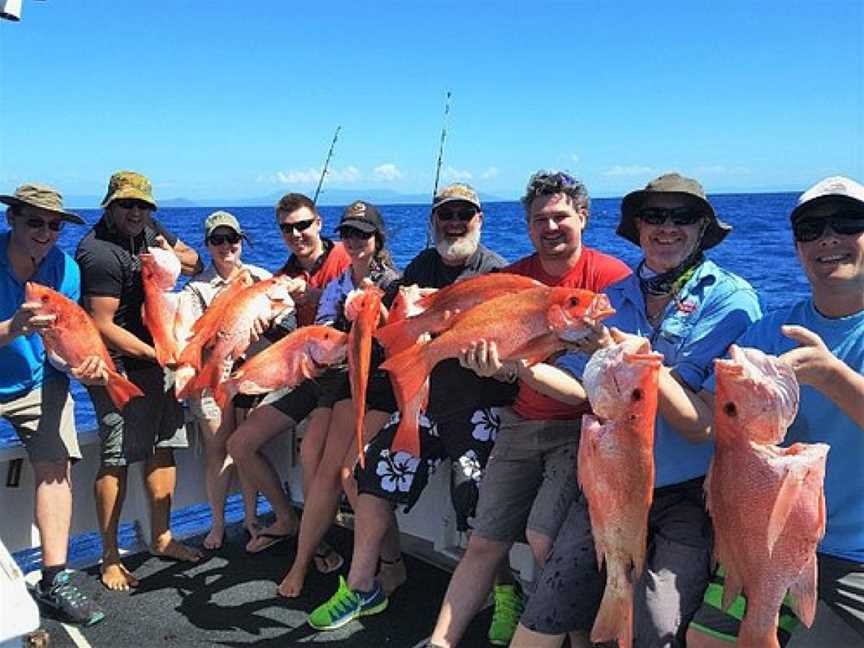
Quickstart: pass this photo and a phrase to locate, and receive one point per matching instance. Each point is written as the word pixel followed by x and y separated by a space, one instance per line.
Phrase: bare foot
pixel 116 577
pixel 214 538
pixel 274 533
pixel 292 584
pixel 172 549
pixel 391 575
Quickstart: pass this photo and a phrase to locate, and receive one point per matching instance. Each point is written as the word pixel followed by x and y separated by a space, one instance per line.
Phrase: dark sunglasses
pixel 299 226
pixel 845 223
pixel 218 239
pixel 463 215
pixel 678 215
pixel 38 223
pixel 131 203
pixel 353 232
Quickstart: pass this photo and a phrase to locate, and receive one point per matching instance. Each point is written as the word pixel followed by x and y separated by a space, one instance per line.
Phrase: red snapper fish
pixel 159 271
pixel 183 322
pixel 439 305
pixel 616 473
pixel 303 354
pixel 406 303
pixel 232 334
pixel 518 323
pixel 366 304
pixel 767 502
pixel 74 337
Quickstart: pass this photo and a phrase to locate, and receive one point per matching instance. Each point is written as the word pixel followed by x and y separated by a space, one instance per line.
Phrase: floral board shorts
pixel 464 437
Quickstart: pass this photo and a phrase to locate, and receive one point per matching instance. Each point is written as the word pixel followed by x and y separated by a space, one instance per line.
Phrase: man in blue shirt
pixel 822 338
pixel 34 395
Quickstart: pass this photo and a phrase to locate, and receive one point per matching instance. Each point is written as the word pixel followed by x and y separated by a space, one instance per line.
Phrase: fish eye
pixel 730 409
pixel 45 298
pixel 636 394
pixel 574 301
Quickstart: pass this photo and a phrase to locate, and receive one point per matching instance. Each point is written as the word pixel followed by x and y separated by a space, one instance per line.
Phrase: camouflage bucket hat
pixel 128 184
pixel 677 185
pixel 42 197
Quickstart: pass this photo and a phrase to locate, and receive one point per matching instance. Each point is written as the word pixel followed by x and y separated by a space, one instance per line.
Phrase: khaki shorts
pixel 530 480
pixel 153 421
pixel 45 421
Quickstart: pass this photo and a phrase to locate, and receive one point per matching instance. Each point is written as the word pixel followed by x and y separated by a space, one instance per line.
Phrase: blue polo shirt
pixel 23 360
pixel 710 312
pixel 819 420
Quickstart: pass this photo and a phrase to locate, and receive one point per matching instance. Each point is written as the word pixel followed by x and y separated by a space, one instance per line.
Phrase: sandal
pixel 324 559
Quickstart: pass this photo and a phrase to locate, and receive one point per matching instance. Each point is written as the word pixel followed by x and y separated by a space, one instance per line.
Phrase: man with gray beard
pixel 459 425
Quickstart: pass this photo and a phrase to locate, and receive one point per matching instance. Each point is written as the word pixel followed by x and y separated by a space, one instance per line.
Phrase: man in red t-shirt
pixel 530 479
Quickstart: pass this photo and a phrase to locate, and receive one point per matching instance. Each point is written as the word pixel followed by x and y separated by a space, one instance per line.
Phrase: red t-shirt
pixel 332 263
pixel 594 271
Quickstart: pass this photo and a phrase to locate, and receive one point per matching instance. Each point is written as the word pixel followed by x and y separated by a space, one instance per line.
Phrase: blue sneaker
pixel 346 605
pixel 68 600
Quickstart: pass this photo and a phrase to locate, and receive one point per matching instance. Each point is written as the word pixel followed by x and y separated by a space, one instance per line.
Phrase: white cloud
pixel 311 175
pixel 347 174
pixel 387 172
pixel 488 174
pixel 456 175
pixel 632 170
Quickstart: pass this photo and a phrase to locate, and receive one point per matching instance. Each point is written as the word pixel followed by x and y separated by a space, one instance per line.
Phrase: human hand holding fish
pixel 482 358
pixel 27 320
pixel 92 371
pixel 812 362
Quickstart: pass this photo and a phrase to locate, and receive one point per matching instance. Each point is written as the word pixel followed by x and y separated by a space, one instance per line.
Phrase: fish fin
pixel 308 369
pixel 191 355
pixel 804 592
pixel 537 349
pixel 121 390
pixel 732 586
pixel 209 376
pixel 614 619
pixel 407 438
pixel 224 393
pixel 408 371
pixel 396 337
pixel 787 496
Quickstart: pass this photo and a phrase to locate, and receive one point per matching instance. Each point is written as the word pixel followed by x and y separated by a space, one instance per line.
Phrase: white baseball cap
pixel 833 188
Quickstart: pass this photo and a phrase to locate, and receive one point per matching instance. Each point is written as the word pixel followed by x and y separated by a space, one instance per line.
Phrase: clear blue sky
pixel 235 99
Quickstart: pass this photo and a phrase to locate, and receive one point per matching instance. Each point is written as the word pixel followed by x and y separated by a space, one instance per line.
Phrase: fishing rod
pixel 326 164
pixel 440 157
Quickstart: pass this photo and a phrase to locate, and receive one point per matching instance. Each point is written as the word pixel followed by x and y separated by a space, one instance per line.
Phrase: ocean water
pixel 760 248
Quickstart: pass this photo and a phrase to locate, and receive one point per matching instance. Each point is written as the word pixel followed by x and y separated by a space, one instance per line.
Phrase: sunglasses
pixel 845 223
pixel 678 215
pixel 299 226
pixel 218 239
pixel 353 232
pixel 463 215
pixel 132 203
pixel 38 223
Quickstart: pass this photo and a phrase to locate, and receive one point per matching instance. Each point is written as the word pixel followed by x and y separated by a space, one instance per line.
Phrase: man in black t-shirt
pixel 148 428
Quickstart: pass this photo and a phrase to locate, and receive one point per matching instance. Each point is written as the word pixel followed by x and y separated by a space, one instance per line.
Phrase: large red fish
pixel 516 322
pixel 616 473
pixel 301 355
pixel 159 271
pixel 74 337
pixel 407 303
pixel 767 502
pixel 366 303
pixel 437 306
pixel 232 334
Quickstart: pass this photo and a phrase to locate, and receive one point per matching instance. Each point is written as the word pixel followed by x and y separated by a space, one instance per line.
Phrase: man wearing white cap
pixel 822 338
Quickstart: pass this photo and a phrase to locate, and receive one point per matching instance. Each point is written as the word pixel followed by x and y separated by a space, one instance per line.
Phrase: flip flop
pixel 321 557
pixel 272 539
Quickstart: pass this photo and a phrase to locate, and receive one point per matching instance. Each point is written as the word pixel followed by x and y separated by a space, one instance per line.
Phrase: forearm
pixel 190 262
pixel 553 382
pixel 6 332
pixel 683 409
pixel 125 342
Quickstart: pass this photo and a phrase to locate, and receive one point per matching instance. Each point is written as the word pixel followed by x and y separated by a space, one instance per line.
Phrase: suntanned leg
pixel 247 486
pixel 525 638
pixel 53 509
pixel 110 491
pixel 372 518
pixel 244 445
pixel 217 476
pixel 468 589
pixel 160 479
pixel 321 494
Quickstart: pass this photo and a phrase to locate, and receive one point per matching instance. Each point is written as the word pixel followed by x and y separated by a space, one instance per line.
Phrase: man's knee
pixel 486 549
pixel 541 545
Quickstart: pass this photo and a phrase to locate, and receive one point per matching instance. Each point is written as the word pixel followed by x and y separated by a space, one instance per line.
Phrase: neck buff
pixel 669 282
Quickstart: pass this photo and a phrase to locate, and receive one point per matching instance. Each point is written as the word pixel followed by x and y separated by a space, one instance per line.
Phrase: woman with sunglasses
pixel 328 452
pixel 224 240
pixel 691 310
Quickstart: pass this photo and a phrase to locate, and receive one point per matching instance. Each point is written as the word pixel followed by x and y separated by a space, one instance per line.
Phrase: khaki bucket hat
pixel 221 219
pixel 129 184
pixel 43 197
pixel 675 184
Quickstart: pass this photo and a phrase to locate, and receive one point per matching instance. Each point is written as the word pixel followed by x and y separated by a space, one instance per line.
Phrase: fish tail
pixel 615 617
pixel 182 376
pixel 209 376
pixel 408 371
pixel 121 390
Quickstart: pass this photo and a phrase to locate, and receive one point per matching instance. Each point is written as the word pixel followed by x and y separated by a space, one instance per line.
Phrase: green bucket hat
pixel 676 185
pixel 43 197
pixel 128 184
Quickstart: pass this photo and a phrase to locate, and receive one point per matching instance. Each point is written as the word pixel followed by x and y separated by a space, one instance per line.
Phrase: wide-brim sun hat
pixel 676 185
pixel 42 197
pixel 835 188
pixel 129 184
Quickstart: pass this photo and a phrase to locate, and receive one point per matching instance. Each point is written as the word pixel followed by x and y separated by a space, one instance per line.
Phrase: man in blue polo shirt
pixel 34 395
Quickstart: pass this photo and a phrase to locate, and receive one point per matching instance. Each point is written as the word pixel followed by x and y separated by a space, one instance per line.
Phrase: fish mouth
pixel 600 308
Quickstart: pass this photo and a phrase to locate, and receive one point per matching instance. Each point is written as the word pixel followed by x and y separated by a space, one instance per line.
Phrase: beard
pixel 460 249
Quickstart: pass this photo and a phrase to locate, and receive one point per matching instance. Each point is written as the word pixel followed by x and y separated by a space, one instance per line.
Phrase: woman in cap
pixel 224 240
pixel 328 452
pixel 691 310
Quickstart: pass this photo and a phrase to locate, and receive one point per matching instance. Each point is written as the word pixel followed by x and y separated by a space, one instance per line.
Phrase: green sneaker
pixel 509 604
pixel 346 605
